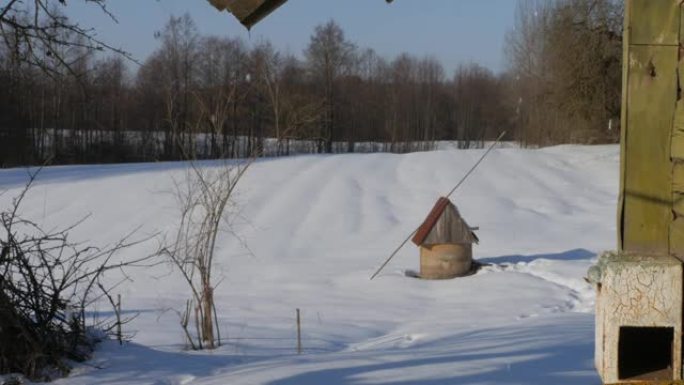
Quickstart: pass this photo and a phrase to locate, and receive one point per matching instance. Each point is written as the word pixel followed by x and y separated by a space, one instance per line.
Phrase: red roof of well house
pixel 444 224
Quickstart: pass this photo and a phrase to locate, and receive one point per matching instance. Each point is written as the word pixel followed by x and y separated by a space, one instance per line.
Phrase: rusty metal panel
pixel 647 184
pixel 430 221
pixel 654 22
pixel 248 12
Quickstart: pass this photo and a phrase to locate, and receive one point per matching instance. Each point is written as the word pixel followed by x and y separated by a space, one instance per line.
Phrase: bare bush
pixel 46 283
pixel 205 201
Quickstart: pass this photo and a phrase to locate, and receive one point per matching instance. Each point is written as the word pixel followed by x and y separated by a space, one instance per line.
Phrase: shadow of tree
pixel 529 356
pixel 133 362
pixel 571 255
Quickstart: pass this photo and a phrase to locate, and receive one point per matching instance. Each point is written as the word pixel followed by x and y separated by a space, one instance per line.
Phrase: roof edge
pixel 431 220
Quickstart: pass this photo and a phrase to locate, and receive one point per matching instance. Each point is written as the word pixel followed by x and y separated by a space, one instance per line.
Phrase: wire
pixel 472 169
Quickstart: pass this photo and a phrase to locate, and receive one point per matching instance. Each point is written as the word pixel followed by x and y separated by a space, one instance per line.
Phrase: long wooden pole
pixel 119 334
pixel 453 190
pixel 299 333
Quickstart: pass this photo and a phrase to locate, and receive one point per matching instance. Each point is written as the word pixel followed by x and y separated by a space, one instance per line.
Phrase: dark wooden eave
pixel 248 12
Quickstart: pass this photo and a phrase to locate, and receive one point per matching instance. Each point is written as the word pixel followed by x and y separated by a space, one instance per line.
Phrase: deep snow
pixel 317 228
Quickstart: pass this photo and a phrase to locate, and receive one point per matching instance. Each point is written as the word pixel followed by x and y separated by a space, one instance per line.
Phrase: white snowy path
pixel 318 226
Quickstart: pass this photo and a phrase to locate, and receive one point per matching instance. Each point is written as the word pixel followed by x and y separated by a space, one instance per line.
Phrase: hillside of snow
pixel 316 228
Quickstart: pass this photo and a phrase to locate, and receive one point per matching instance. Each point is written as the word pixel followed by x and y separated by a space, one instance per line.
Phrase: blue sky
pixel 454 31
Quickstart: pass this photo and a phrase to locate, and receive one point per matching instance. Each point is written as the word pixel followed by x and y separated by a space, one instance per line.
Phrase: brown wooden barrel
pixel 445 261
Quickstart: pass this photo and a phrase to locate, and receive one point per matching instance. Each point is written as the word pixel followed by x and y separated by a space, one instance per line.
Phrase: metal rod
pixel 460 183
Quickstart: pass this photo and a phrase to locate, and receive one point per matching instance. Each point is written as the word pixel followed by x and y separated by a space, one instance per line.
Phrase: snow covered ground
pixel 317 227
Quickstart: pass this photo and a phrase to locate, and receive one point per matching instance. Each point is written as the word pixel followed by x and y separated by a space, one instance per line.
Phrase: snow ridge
pixel 317 227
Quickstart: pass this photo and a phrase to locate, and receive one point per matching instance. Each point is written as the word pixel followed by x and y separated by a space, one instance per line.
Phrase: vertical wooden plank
pixel 677 237
pixel 678 143
pixel 623 122
pixel 677 149
pixel 647 185
pixel 678 177
pixel 677 225
pixel 678 204
pixel 681 22
pixel 677 155
pixel 654 22
pixel 299 332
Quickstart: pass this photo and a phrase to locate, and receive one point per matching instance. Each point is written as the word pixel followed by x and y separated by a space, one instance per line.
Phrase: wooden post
pixel 652 138
pixel 641 287
pixel 299 333
pixel 119 334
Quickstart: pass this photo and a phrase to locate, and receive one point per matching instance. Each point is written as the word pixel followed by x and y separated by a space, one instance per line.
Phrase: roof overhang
pixel 248 12
pixel 443 225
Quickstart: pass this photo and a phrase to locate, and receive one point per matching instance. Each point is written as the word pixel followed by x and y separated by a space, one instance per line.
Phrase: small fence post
pixel 299 333
pixel 119 334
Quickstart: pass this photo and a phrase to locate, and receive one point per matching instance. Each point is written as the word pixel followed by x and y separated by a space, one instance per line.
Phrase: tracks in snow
pixel 567 275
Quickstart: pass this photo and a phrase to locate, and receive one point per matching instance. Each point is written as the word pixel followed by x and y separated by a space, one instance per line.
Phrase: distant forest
pixel 199 97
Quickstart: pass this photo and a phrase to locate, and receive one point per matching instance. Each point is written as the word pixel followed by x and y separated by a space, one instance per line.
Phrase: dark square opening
pixel 645 354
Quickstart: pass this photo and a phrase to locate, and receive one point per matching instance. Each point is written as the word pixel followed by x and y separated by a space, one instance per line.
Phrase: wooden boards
pixel 248 12
pixel 652 164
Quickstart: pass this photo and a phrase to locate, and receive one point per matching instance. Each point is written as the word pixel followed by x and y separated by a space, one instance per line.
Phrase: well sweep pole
pixel 472 169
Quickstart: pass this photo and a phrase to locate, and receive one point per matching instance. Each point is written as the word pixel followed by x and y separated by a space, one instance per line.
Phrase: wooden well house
pixel 446 243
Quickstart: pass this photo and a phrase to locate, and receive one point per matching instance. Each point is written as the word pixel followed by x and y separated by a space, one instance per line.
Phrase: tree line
pixel 565 60
pixel 200 97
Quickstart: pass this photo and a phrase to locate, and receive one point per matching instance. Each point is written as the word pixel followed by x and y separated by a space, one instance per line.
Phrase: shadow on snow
pixel 571 255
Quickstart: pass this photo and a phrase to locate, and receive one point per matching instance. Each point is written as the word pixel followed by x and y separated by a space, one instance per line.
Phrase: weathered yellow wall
pixel 652 137
pixel 642 286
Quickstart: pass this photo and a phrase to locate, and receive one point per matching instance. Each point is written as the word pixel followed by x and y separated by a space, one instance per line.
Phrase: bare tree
pixel 329 55
pixel 204 97
pixel 430 80
pixel 43 33
pixel 478 105
pixel 269 67
pixel 177 58
pixel 205 203
pixel 566 63
pixel 219 67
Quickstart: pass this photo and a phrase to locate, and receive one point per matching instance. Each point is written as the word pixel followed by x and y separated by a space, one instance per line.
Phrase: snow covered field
pixel 317 228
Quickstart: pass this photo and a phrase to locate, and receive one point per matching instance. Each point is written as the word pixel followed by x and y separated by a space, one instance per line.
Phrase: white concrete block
pixel 644 293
